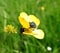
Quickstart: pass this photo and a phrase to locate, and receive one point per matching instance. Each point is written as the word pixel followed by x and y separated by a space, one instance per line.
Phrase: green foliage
pixel 50 24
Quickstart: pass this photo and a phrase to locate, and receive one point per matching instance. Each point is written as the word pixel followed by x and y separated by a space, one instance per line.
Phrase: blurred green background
pixel 50 24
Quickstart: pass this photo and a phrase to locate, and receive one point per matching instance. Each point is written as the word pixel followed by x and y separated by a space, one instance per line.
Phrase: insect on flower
pixel 29 25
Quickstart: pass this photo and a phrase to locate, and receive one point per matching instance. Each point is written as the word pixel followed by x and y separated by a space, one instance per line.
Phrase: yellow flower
pixel 42 8
pixel 10 29
pixel 24 19
pixel 29 25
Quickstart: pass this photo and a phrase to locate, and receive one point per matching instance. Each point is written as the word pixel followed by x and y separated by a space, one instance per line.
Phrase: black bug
pixel 32 25
pixel 22 30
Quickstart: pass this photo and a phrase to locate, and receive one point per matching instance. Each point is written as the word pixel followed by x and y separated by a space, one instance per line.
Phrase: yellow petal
pixel 34 19
pixel 23 19
pixel 25 16
pixel 39 34
pixel 28 32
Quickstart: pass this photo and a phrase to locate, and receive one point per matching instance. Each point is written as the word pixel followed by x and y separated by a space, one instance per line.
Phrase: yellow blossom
pixel 10 29
pixel 42 8
pixel 29 25
pixel 24 19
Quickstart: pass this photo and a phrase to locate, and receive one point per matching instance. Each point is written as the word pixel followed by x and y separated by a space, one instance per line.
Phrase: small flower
pixel 42 8
pixel 30 24
pixel 49 48
pixel 10 29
